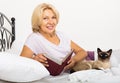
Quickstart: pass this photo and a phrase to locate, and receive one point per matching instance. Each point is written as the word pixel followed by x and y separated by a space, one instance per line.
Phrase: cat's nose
pixel 103 56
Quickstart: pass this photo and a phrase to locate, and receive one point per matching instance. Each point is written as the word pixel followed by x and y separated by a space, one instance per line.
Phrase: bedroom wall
pixel 90 23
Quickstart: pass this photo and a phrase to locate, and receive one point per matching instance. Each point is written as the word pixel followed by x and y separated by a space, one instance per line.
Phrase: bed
pixel 7 36
pixel 17 69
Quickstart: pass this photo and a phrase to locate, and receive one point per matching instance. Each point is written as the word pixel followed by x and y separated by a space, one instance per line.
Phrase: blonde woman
pixel 45 38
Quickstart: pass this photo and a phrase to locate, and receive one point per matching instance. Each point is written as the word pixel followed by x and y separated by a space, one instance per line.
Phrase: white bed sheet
pixel 63 78
pixel 94 77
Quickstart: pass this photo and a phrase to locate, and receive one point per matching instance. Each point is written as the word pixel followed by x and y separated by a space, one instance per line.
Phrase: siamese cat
pixel 103 62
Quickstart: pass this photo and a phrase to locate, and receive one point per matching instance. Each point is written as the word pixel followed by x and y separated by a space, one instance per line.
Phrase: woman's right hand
pixel 42 59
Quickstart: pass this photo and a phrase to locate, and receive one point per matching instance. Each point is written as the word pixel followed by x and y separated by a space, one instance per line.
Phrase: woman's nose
pixel 50 21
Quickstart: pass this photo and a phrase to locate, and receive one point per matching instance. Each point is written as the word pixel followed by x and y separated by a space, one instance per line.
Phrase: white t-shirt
pixel 38 44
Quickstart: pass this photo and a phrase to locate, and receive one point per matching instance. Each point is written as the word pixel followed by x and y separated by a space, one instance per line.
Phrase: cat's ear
pixel 99 50
pixel 109 51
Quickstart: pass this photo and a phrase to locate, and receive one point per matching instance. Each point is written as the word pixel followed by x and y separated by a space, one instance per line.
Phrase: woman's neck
pixel 52 37
pixel 48 35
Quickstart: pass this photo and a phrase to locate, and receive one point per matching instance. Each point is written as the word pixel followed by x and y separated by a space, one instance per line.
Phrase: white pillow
pixel 115 58
pixel 20 69
pixel 116 70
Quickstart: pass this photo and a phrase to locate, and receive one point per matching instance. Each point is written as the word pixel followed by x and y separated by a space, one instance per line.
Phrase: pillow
pixel 20 69
pixel 116 70
pixel 113 61
pixel 115 58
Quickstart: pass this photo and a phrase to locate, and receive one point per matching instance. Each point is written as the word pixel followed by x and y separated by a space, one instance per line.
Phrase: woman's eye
pixel 54 17
pixel 45 18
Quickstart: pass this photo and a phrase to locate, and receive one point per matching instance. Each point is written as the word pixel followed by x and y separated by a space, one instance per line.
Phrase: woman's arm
pixel 80 54
pixel 26 52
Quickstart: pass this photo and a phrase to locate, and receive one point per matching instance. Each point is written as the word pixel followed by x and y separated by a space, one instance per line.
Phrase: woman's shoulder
pixel 32 36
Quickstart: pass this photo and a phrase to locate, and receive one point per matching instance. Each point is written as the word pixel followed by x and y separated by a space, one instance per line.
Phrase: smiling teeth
pixel 50 27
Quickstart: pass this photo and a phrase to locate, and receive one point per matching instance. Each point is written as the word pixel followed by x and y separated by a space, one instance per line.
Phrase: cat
pixel 103 62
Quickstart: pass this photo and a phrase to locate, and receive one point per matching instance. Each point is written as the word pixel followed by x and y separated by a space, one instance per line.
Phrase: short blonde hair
pixel 37 15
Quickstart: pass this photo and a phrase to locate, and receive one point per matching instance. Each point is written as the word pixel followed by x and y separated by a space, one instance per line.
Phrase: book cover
pixel 55 68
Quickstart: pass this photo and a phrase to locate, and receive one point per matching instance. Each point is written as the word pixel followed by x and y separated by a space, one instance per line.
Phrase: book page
pixel 69 54
pixel 56 60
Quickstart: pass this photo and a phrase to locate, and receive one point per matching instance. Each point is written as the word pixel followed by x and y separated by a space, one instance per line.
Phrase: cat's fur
pixel 103 62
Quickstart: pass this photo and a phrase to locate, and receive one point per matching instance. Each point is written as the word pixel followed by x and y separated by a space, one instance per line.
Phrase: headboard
pixel 7 32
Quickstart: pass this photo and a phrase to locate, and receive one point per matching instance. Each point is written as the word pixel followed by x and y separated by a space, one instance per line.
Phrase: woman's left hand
pixel 71 63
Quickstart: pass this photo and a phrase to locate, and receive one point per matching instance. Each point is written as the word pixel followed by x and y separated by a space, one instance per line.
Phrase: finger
pixel 66 68
pixel 42 56
pixel 69 61
pixel 42 60
pixel 39 59
pixel 46 65
pixel 70 65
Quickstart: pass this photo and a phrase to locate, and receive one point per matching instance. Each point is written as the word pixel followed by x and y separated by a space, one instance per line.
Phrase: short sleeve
pixel 31 42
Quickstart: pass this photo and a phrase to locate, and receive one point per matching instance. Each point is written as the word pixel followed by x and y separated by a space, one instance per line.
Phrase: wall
pixel 89 23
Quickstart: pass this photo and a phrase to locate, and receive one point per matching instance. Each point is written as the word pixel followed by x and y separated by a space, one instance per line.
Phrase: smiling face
pixel 48 22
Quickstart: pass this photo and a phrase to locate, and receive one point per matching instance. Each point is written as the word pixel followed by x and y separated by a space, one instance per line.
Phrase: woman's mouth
pixel 50 27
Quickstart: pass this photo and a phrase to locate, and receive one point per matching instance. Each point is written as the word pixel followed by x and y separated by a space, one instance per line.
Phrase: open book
pixel 56 66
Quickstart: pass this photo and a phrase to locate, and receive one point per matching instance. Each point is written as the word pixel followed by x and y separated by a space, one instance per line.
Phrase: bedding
pixel 65 79
pixel 91 76
pixel 115 58
pixel 16 68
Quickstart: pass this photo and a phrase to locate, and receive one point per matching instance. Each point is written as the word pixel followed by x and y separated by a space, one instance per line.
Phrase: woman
pixel 46 39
